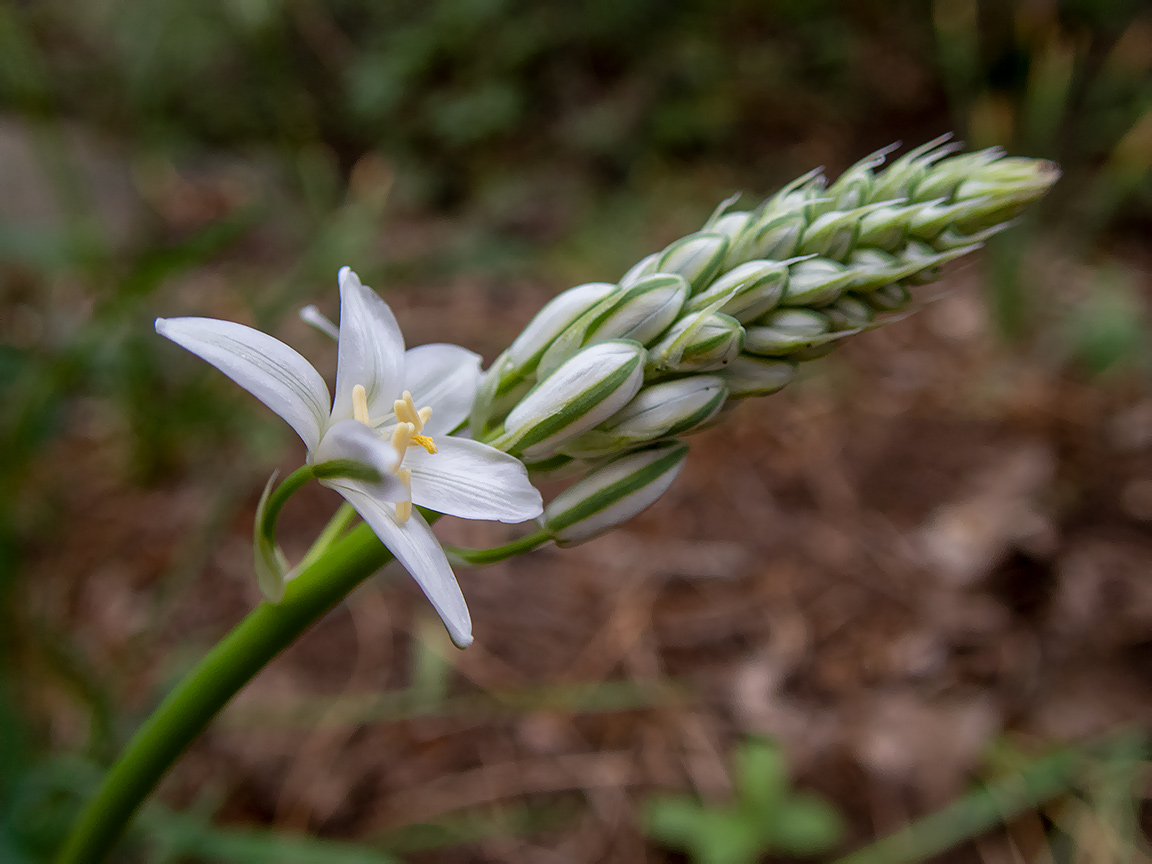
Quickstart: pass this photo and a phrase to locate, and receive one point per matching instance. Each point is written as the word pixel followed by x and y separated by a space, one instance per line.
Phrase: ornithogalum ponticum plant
pixel 602 385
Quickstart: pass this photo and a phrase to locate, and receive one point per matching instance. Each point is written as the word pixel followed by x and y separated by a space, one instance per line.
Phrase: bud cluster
pixel 618 371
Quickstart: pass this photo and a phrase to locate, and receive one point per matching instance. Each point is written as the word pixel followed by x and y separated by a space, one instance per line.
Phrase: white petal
pixel 264 366
pixel 350 439
pixel 472 480
pixel 415 547
pixel 446 378
pixel 371 349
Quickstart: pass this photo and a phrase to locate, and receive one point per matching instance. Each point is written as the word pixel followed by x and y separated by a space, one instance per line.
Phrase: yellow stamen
pixel 400 408
pixel 425 442
pixel 360 405
pixel 415 420
pixel 404 508
pixel 424 414
pixel 401 438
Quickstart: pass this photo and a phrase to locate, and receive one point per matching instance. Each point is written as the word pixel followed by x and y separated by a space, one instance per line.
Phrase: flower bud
pixel 786 330
pixel 849 313
pixel 556 316
pixel 582 392
pixel 947 174
pixel 640 313
pixel 658 411
pixel 613 493
pixel 886 227
pixel 816 282
pixel 773 235
pixel 644 267
pixel 872 269
pixel 853 187
pixel 698 342
pixel 903 175
pixel 697 257
pixel 890 298
pixel 749 290
pixel 749 375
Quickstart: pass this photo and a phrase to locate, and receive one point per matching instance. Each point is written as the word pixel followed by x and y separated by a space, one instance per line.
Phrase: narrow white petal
pixel 264 366
pixel 415 547
pixel 473 481
pixel 349 439
pixel 371 349
pixel 314 317
pixel 446 378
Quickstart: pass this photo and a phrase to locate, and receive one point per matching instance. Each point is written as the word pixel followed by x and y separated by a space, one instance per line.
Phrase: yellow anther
pixel 360 405
pixel 425 442
pixel 424 414
pixel 413 415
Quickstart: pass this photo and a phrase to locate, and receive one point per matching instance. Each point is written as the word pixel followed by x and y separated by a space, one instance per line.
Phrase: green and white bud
pixel 661 410
pixel 697 257
pixel 947 174
pixel 558 314
pixel 890 298
pixel 785 331
pixel 852 188
pixel 581 393
pixel 613 493
pixel 773 235
pixel 748 290
pixel 749 375
pixel 640 312
pixel 903 175
pixel 886 227
pixel 872 269
pixel 698 342
pixel 1003 187
pixel 816 282
pixel 644 267
pixel 849 313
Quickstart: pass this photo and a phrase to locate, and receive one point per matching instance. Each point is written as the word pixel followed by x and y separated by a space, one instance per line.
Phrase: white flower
pixel 394 410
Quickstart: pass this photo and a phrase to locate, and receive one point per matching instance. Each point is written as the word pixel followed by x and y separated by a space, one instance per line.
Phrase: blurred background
pixel 914 589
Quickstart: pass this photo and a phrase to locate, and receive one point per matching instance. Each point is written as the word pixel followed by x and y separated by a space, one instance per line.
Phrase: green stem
pixel 279 498
pixel 480 557
pixel 233 662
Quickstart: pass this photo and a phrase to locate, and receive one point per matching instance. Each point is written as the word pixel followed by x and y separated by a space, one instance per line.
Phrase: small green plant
pixel 766 815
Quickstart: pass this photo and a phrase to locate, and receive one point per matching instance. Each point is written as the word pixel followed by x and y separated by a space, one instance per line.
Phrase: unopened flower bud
pixel 872 269
pixel 947 174
pixel 640 312
pixel 698 342
pixel 784 331
pixel 748 290
pixel 582 392
pixel 903 175
pixel 849 313
pixel 697 257
pixel 773 235
pixel 613 493
pixel 661 410
pixel 890 298
pixel 816 282
pixel 556 316
pixel 749 375
pixel 644 267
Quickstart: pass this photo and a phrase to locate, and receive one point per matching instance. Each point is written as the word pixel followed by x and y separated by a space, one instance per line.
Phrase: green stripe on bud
pixel 613 493
pixel 558 314
pixel 784 331
pixel 749 375
pixel 661 410
pixel 849 313
pixel 697 257
pixel 640 312
pixel 748 290
pixel 816 282
pixel 698 342
pixel 582 392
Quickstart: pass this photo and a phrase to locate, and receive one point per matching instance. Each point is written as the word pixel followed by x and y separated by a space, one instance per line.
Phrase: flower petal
pixel 371 349
pixel 415 547
pixel 446 378
pixel 352 440
pixel 472 480
pixel 263 365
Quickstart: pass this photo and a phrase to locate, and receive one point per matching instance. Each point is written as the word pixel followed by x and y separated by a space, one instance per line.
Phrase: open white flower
pixel 394 410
